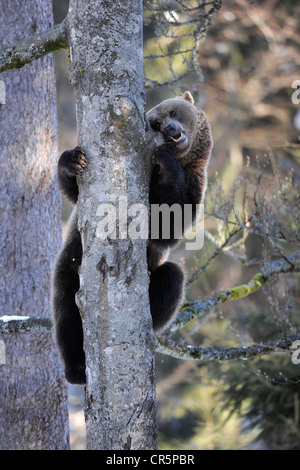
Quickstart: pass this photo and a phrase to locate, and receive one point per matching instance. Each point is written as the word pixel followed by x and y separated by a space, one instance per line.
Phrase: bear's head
pixel 178 120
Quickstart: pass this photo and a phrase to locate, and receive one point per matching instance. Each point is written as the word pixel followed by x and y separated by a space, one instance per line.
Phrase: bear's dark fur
pixel 178 177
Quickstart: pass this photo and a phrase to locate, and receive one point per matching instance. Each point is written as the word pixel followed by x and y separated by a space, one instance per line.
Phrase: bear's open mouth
pixel 179 138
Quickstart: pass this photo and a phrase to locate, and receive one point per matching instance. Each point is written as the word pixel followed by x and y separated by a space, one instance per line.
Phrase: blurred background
pixel 241 73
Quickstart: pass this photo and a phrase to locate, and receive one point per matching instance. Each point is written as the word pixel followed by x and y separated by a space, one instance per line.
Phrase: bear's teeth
pixel 179 138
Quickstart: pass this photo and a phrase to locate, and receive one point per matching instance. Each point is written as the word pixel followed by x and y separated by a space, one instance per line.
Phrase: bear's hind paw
pixel 75 375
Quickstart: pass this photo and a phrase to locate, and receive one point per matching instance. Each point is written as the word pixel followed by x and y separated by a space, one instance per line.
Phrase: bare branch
pixel 166 346
pixel 172 23
pixel 24 52
pixel 17 324
pixel 156 84
pixel 219 250
pixel 167 54
pixel 202 308
pixel 196 309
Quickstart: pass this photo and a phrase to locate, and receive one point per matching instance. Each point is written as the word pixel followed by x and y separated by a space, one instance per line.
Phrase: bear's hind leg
pixel 68 324
pixel 68 327
pixel 166 292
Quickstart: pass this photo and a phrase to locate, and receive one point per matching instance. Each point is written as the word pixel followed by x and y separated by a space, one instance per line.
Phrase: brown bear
pixel 178 178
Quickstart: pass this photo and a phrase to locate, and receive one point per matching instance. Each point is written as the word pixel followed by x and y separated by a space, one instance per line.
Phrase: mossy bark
pixel 32 48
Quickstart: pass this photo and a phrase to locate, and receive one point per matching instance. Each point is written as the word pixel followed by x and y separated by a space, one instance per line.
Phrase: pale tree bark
pixel 33 407
pixel 107 75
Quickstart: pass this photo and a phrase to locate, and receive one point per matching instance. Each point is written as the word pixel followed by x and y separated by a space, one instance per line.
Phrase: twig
pixel 154 83
pixel 167 54
pixel 173 24
pixel 220 249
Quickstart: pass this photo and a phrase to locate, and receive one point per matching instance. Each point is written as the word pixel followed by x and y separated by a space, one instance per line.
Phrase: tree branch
pixel 154 83
pixel 202 308
pixel 17 324
pixel 167 346
pixel 196 309
pixel 164 345
pixel 220 249
pixel 24 52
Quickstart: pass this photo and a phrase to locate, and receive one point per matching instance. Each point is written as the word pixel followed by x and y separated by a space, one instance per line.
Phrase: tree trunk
pixel 33 408
pixel 107 75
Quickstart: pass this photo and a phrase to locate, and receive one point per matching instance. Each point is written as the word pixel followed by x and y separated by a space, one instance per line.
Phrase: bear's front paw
pixel 73 162
pixel 164 153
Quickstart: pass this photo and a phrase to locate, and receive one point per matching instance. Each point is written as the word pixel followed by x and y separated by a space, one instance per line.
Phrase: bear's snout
pixel 170 130
pixel 175 132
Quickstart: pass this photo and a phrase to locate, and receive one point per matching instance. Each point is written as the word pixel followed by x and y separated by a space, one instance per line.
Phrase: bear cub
pixel 178 177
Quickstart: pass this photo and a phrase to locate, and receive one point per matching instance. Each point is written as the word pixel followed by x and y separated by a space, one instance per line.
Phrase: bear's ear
pixel 187 96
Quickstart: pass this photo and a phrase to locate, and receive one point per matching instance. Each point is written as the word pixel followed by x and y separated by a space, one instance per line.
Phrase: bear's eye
pixel 156 126
pixel 172 114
